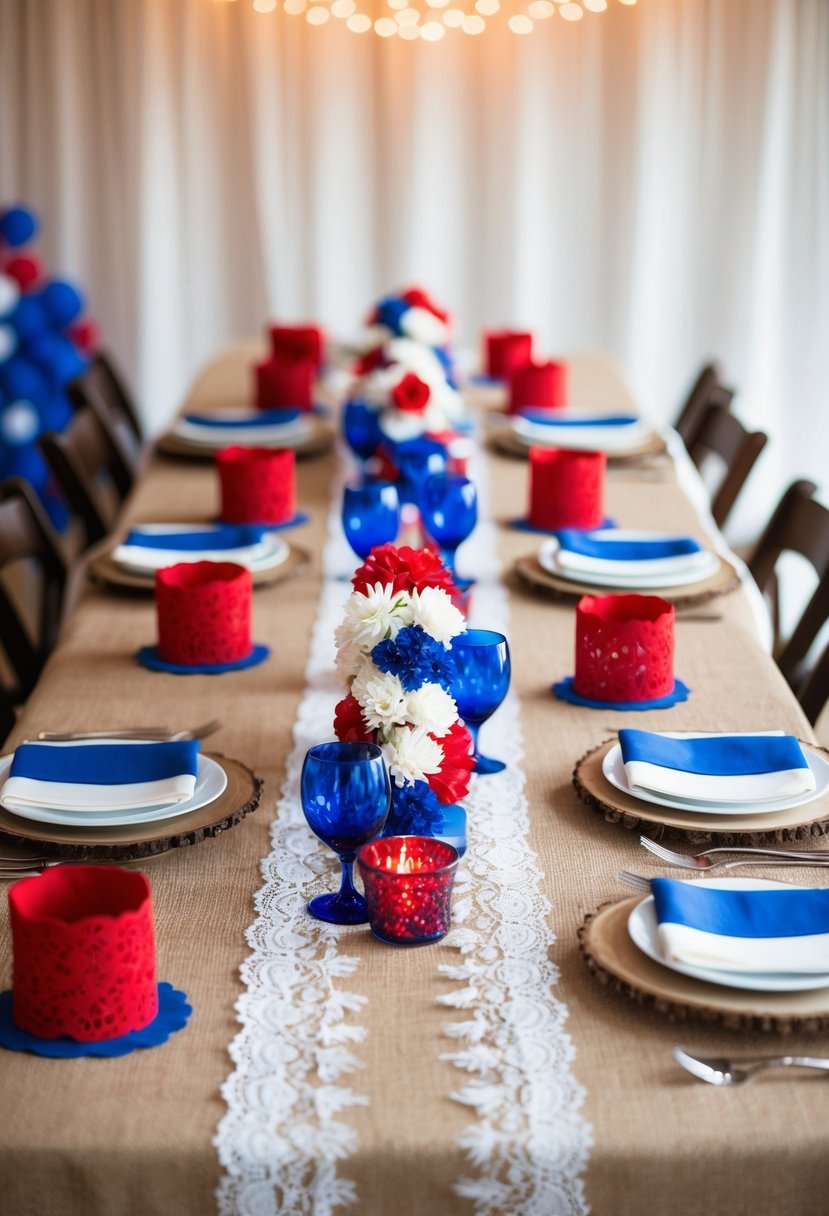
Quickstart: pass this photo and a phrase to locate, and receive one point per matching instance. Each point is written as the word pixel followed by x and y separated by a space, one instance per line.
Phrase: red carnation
pixel 451 782
pixel 418 298
pixel 369 362
pixel 411 395
pixel 349 726
pixel 403 569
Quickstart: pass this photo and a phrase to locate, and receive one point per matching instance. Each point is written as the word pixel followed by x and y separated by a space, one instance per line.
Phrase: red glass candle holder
pixel 298 342
pixel 258 485
pixel 84 953
pixel 624 647
pixel 506 350
pixel 204 613
pixel 542 385
pixel 566 488
pixel 285 383
pixel 408 885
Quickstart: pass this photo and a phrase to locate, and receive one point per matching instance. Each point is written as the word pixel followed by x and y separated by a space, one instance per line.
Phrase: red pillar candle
pixel 566 488
pixel 258 485
pixel 285 383
pixel 408 885
pixel 84 953
pixel 506 350
pixel 298 342
pixel 204 612
pixel 624 647
pixel 542 385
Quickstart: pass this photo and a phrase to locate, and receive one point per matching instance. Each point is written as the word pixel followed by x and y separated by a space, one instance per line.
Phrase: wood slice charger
pixel 322 436
pixel 533 574
pixel 618 963
pixel 138 841
pixel 505 441
pixel 102 569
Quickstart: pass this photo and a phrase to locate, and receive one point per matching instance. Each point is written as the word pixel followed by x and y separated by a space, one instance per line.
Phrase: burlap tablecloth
pixel 133 1135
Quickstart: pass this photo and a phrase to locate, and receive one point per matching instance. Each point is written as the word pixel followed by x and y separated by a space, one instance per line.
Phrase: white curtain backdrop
pixel 653 179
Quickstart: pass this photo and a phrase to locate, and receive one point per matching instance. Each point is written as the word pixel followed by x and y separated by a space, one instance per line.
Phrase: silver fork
pixel 641 882
pixel 710 859
pixel 721 1071
pixel 160 733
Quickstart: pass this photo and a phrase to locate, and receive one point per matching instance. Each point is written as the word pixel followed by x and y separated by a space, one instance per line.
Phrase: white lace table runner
pixel 282 1145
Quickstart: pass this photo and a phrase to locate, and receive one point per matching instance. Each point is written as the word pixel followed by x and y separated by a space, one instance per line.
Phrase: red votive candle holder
pixel 204 613
pixel 624 647
pixel 84 953
pixel 542 385
pixel 285 383
pixel 258 485
pixel 298 342
pixel 408 885
pixel 505 350
pixel 566 488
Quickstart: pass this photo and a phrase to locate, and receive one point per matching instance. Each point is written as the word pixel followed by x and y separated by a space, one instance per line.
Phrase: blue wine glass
pixel 346 796
pixel 371 515
pixel 361 427
pixel 482 665
pixel 417 459
pixel 449 508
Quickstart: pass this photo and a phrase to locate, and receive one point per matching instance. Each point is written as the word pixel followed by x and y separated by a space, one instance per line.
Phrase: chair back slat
pixel 722 434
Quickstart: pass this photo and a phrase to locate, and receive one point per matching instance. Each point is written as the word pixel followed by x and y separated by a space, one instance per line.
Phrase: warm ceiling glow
pixel 417 20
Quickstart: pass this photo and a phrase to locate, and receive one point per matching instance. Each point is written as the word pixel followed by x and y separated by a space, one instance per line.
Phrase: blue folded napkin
pixel 719 768
pixel 220 537
pixel 276 417
pixel 546 418
pixel 780 930
pixel 102 775
pixel 619 549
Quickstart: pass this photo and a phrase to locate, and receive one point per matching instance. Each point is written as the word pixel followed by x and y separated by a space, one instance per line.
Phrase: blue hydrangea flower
pixel 416 658
pixel 415 811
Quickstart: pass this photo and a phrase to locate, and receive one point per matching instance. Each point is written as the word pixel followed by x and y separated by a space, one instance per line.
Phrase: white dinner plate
pixel 270 552
pixel 286 434
pixel 616 439
pixel 547 559
pixel 642 928
pixel 614 770
pixel 211 781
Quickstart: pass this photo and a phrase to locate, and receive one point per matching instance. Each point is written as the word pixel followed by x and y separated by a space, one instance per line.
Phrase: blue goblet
pixel 417 459
pixel 482 666
pixel 361 428
pixel 449 509
pixel 346 795
pixel 371 515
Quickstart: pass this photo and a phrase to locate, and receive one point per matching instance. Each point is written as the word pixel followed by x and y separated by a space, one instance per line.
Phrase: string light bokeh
pixel 431 20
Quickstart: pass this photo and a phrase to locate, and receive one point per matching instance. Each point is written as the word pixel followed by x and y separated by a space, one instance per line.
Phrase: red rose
pixel 403 569
pixel 349 726
pixel 418 298
pixel 411 395
pixel 451 782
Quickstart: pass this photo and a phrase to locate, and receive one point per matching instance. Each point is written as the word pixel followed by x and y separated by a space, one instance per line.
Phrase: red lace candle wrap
pixel 624 647
pixel 543 385
pixel 408 885
pixel 84 953
pixel 258 485
pixel 298 342
pixel 506 350
pixel 566 488
pixel 285 383
pixel 204 612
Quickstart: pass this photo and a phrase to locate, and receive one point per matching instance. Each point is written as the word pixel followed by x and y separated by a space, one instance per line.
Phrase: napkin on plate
pixel 628 553
pixel 101 776
pixel 717 768
pixel 152 547
pixel 262 418
pixel 765 931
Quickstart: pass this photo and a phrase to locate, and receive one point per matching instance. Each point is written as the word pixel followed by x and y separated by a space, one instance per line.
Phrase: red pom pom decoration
pixel 86 335
pixel 542 385
pixel 411 395
pixel 84 953
pixel 298 342
pixel 624 647
pixel 258 485
pixel 204 613
pixel 506 350
pixel 285 383
pixel 566 489
pixel 26 270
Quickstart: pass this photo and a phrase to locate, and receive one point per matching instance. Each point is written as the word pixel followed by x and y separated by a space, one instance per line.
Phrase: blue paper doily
pixel 149 657
pixel 487 381
pixel 173 1013
pixel 564 691
pixel 524 525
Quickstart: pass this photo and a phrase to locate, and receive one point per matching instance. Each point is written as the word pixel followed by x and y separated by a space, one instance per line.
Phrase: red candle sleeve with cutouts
pixel 543 386
pixel 258 485
pixel 506 350
pixel 84 953
pixel 284 382
pixel 298 342
pixel 566 488
pixel 624 647
pixel 204 613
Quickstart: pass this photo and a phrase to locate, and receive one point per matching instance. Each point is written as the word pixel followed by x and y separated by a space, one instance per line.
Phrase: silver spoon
pixel 720 1071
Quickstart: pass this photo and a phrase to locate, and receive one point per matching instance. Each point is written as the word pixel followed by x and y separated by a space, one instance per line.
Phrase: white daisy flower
pixel 350 658
pixel 423 326
pixel 418 359
pixel 434 612
pixel 382 698
pixel 431 707
pixel 399 425
pixel 411 755
pixel 372 615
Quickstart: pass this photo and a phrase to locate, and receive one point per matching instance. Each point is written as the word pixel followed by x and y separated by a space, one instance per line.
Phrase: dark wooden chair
pixel 814 691
pixel 697 401
pixel 8 718
pixel 90 467
pixel 799 524
pixel 101 389
pixel 722 435
pixel 27 536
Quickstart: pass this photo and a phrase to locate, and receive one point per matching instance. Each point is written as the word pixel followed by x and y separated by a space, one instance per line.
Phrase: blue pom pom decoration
pixel 17 226
pixel 63 302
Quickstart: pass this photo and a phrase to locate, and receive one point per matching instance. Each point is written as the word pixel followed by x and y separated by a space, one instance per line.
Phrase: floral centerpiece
pixel 394 648
pixel 410 314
